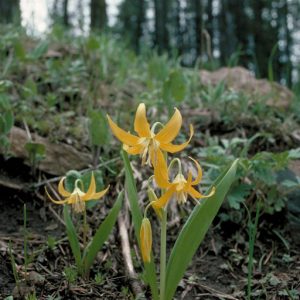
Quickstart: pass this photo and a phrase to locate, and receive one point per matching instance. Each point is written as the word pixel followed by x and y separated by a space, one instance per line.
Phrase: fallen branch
pixel 134 282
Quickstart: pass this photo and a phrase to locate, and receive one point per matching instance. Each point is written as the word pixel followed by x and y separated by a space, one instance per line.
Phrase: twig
pixel 135 285
pixel 216 293
pixel 213 292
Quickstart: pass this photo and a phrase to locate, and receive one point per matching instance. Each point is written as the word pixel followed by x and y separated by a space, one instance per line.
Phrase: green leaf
pixel 92 43
pixel 5 85
pixel 194 231
pixel 175 86
pixel 29 89
pixel 137 217
pixel 101 235
pixel 39 50
pixel 19 51
pixel 73 239
pixel 294 153
pixel 71 177
pixel 238 194
pixel 98 128
pixel 9 121
pixel 37 150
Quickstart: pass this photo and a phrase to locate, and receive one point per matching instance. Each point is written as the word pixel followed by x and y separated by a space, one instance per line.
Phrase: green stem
pixel 25 239
pixel 163 247
pixel 252 236
pixel 163 254
pixel 84 229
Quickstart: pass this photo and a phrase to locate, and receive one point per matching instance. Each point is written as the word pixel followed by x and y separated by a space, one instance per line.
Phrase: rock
pixel 242 80
pixel 59 159
pixel 36 278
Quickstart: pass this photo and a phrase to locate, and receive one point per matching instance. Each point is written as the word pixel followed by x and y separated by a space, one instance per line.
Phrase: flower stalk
pixel 163 253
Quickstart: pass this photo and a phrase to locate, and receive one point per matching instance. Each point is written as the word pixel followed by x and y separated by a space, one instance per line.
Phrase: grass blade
pixel 137 220
pixel 194 231
pixel 73 239
pixel 101 234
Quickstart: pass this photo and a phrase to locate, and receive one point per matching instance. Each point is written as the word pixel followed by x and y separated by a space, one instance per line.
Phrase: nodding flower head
pixel 147 142
pixel 180 186
pixel 78 198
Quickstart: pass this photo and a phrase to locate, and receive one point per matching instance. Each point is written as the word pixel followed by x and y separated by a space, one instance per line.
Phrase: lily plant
pixel 85 255
pixel 153 146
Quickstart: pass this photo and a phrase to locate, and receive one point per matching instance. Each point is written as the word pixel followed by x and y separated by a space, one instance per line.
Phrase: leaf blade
pixel 73 239
pixel 101 234
pixel 194 231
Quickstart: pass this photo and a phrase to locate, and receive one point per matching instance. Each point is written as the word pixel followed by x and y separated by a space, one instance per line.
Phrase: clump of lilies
pixel 155 145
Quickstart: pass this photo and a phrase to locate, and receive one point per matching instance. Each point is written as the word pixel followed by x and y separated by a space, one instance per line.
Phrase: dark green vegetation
pixel 61 87
pixel 260 35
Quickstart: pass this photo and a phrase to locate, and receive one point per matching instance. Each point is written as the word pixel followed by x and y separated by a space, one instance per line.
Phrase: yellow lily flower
pixel 148 143
pixel 146 240
pixel 180 186
pixel 78 198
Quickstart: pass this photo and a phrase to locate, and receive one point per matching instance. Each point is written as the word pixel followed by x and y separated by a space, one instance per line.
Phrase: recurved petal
pixel 161 171
pixel 141 125
pixel 171 129
pixel 56 201
pixel 163 200
pixel 92 188
pixel 198 195
pixel 176 148
pixel 121 134
pixel 61 188
pixel 199 171
pixel 134 149
pixel 95 196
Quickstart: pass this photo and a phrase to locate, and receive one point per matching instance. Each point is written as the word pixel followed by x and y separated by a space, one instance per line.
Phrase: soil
pixel 218 271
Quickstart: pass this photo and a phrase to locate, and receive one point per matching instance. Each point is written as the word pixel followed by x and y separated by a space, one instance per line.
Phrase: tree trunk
pixel 98 14
pixel 10 12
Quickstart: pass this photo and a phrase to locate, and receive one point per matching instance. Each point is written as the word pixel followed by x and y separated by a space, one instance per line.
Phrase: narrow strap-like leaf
pixel 194 231
pixel 101 234
pixel 137 220
pixel 73 239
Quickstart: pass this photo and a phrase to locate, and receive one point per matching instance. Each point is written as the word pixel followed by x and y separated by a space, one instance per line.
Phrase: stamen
pixel 78 205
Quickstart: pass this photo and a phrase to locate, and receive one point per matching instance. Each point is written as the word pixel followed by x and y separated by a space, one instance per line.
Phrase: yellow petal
pixel 171 129
pixel 176 148
pixel 146 240
pixel 198 195
pixel 134 149
pixel 199 170
pixel 56 201
pixel 91 190
pixel 61 188
pixel 152 198
pixel 163 200
pixel 121 134
pixel 141 125
pixel 96 196
pixel 161 171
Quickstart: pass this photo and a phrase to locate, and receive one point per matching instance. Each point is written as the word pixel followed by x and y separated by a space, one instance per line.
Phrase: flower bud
pixel 146 240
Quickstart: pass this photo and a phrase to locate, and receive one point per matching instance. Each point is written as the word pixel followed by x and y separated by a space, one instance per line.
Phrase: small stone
pixel 36 278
